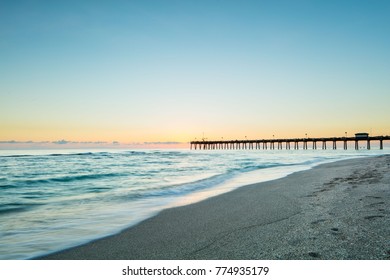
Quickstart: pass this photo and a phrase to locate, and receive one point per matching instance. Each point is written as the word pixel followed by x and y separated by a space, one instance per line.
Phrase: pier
pixel 290 143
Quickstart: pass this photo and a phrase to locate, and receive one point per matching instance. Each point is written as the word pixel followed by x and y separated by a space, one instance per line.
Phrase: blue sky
pixel 173 70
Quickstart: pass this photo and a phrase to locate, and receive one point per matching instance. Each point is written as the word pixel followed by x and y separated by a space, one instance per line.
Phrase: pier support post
pixel 314 145
pixel 305 145
pixel 368 144
pixel 324 145
pixel 381 144
pixel 334 145
pixel 356 145
pixel 345 145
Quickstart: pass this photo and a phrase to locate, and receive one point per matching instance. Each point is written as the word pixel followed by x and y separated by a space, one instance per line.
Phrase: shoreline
pixel 335 210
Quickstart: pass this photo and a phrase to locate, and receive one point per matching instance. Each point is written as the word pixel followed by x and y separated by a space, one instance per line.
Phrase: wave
pixel 180 189
pixel 135 153
pixel 16 207
pixel 7 186
pixel 65 179
pixel 16 156
pixel 198 185
pixel 71 154
pixel 58 155
pixel 83 154
pixel 252 166
pixel 122 153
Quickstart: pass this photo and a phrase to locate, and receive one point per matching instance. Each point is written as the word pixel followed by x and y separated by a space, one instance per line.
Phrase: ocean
pixel 55 199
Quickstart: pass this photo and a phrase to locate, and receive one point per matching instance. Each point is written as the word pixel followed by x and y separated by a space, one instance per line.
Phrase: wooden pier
pixel 288 143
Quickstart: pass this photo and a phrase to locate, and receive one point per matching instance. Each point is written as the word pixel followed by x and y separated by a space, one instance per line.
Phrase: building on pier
pixel 361 135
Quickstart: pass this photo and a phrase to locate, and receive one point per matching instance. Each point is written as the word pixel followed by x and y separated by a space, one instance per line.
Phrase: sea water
pixel 55 199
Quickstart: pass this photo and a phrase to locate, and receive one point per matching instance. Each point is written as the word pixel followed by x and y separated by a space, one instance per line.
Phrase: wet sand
pixel 334 211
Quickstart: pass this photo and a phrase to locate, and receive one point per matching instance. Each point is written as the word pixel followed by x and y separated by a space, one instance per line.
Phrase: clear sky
pixel 151 71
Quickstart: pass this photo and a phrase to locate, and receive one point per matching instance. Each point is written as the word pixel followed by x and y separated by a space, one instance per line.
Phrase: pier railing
pixel 287 143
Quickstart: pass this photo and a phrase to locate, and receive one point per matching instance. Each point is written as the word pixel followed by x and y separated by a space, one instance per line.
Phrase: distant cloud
pixel 23 142
pixel 61 142
pixel 9 142
pixel 162 143
pixel 64 142
pixel 58 142
pixel 84 144
pixel 90 142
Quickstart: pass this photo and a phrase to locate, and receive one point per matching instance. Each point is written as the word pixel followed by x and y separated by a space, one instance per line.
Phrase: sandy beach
pixel 334 211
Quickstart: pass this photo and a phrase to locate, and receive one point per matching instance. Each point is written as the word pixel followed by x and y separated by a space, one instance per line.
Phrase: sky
pixel 144 71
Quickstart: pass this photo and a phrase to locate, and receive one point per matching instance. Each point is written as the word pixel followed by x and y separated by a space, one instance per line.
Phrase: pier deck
pixel 287 143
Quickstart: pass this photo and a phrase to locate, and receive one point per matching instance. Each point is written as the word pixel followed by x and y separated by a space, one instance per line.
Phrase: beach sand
pixel 334 211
